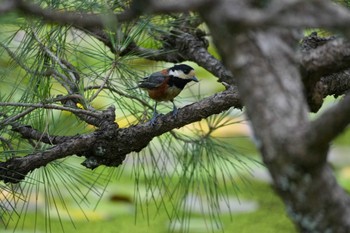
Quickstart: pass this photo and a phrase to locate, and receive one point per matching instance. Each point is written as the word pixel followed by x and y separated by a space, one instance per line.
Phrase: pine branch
pixel 32 107
pixel 110 144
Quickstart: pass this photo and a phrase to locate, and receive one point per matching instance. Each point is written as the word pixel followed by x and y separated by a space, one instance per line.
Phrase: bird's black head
pixel 183 67
pixel 184 72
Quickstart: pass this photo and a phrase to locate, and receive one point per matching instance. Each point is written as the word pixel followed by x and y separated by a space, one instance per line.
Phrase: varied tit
pixel 166 84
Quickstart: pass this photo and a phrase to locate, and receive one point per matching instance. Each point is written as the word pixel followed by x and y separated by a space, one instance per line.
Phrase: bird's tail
pixel 132 88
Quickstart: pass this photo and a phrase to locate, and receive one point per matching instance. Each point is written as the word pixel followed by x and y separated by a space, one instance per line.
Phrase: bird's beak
pixel 194 79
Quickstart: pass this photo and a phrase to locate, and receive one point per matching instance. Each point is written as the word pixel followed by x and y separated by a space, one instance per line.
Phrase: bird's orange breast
pixel 164 92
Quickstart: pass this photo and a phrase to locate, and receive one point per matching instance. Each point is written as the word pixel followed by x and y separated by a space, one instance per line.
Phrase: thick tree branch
pixel 191 47
pixel 331 57
pixel 16 168
pixel 109 145
pixel 194 48
pixel 271 89
pixel 280 13
pixel 78 19
pixel 323 60
pixel 285 14
pixel 330 124
pixel 290 15
pixel 92 20
pixel 165 7
pixel 178 46
pixel 28 132
pixel 336 84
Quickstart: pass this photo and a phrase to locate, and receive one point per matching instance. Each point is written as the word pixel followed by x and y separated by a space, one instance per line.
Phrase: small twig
pixel 16 117
pixel 32 107
pixel 50 106
pixel 102 86
pixel 20 63
pixel 68 83
pixel 71 70
pixel 8 144
pixel 143 102
pixel 181 138
pixel 63 98
pixel 32 134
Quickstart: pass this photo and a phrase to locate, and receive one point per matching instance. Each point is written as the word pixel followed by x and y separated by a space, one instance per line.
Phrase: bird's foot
pixel 154 118
pixel 175 111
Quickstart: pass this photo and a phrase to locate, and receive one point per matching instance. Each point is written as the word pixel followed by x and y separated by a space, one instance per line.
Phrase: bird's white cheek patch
pixel 177 73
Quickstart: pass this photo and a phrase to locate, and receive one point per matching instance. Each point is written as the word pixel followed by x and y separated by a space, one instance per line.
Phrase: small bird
pixel 166 84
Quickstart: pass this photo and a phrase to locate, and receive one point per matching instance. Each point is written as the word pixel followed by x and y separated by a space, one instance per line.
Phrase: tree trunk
pixel 278 112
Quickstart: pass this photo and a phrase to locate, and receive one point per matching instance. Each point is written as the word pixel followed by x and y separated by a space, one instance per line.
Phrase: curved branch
pixel 178 46
pixel 331 57
pixel 15 169
pixel 77 19
pixel 330 124
pixel 91 20
pixel 49 106
pixel 28 132
pixel 121 93
pixel 336 84
pixel 323 60
pixel 282 14
pixel 194 48
pixel 109 145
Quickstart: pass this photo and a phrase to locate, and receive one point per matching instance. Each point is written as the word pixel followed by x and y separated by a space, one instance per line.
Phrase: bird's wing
pixel 152 81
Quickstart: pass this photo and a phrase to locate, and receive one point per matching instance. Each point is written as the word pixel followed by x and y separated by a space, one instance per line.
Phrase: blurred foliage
pixel 343 2
pixel 112 214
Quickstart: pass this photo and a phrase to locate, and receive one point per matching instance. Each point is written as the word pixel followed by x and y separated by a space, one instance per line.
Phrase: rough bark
pixel 110 144
pixel 271 88
pixel 301 175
